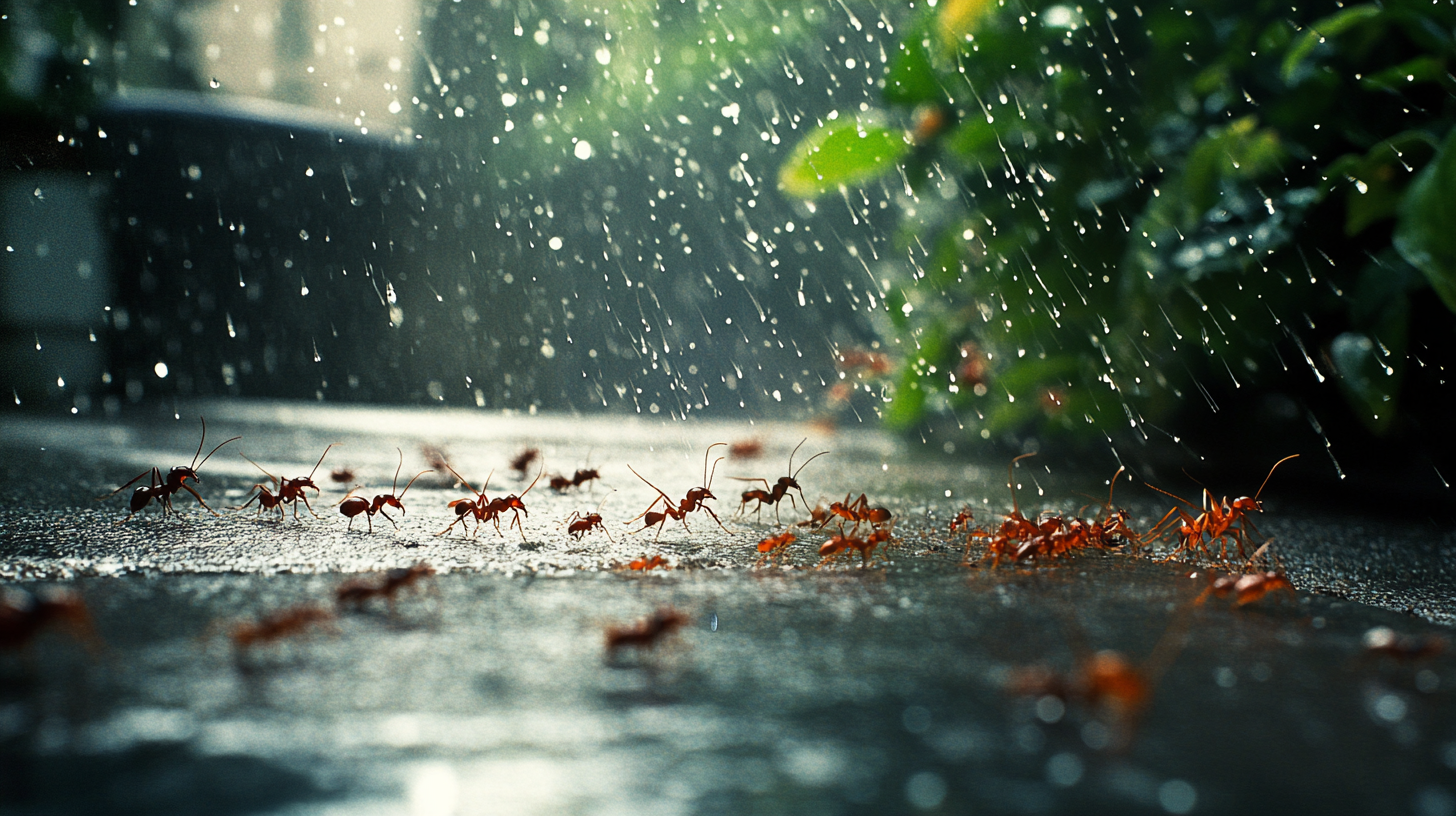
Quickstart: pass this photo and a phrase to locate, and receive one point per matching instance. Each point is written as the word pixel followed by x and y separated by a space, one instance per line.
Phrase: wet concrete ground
pixel 791 690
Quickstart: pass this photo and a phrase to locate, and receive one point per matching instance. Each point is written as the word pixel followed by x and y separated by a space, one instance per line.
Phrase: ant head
pixel 182 473
pixel 515 503
pixel 390 500
pixel 1247 505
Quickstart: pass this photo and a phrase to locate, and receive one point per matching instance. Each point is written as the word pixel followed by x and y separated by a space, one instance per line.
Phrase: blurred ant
pixel 1382 641
pixel 647 562
pixel 352 505
pixel 774 548
pixel 876 363
pixel 841 545
pixel 522 461
pixel 1248 587
pixel 746 449
pixel 692 501
pixel 962 521
pixel 578 525
pixel 647 632
pixel 491 510
pixel 279 625
pixel 162 489
pixel 1221 521
pixel 359 591
pixel 23 615
pixel 582 476
pixel 341 475
pixel 1106 683
pixel 290 491
pixel 774 495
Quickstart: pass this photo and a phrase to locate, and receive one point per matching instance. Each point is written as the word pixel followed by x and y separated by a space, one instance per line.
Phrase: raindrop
pixel 214 83
pixel 160 369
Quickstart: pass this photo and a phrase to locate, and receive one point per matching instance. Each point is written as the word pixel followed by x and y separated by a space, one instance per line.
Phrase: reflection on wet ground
pixel 488 687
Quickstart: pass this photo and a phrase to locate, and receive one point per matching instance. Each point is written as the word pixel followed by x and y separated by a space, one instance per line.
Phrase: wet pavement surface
pixel 488 688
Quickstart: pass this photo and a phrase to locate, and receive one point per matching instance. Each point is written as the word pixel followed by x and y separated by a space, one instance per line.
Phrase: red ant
pixel 161 489
pixel 1220 521
pixel 290 491
pixel 1382 641
pixel 583 475
pixel 1248 587
pixel 746 449
pixel 279 625
pixel 1106 682
pixel 22 615
pixel 781 488
pixel 341 475
pixel 359 590
pixel 774 548
pixel 578 525
pixel 647 562
pixel 840 545
pixel 352 505
pixel 1015 529
pixel 490 510
pixel 818 516
pixel 522 461
pixel 857 511
pixel 875 362
pixel 647 632
pixel 692 501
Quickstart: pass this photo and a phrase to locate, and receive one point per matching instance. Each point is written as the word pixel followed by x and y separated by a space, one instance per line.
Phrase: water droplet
pixel 214 83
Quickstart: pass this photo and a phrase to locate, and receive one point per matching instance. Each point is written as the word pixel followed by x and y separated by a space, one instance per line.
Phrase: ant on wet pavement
pixel 290 491
pixel 691 502
pixel 162 489
pixel 773 495
pixel 351 505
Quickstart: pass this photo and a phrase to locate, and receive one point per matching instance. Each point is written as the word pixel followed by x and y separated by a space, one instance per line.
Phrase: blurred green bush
pixel 1115 214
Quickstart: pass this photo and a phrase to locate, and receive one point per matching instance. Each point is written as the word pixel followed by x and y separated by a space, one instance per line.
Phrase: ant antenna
pixel 321 460
pixel 708 480
pixel 411 481
pixel 533 481
pixel 1271 473
pixel 1114 486
pixel 806 462
pixel 195 464
pixel 395 483
pixel 794 451
pixel 1170 495
pixel 1011 481
pixel 200 442
pixel 270 476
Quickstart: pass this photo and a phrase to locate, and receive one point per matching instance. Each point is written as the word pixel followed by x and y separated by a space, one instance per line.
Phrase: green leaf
pixel 911 79
pixel 842 152
pixel 1424 235
pixel 1368 384
pixel 1316 34
pixel 1400 77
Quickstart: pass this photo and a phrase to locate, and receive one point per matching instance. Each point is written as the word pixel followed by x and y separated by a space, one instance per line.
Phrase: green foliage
pixel 1155 199
pixel 844 151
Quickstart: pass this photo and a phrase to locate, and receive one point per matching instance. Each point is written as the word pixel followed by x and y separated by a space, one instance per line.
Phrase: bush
pixel 1115 214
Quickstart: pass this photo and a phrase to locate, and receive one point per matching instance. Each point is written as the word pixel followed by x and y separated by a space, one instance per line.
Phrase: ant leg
pixel 710 512
pixel 305 503
pixel 386 515
pixel 198 496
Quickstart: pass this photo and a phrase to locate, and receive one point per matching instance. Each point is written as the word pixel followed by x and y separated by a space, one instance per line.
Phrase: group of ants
pixel 1105 681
